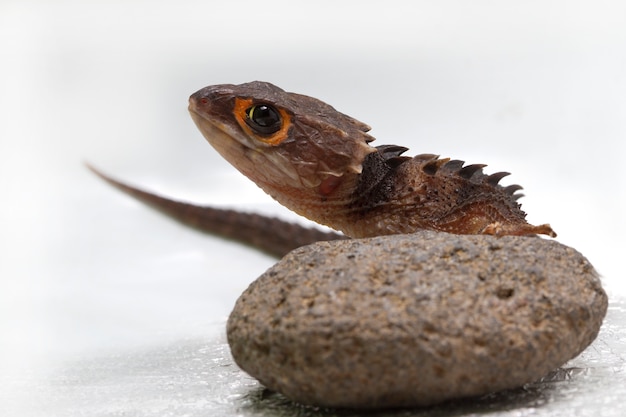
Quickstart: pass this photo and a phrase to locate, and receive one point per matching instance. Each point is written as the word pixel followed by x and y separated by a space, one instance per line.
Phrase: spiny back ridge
pixel 432 165
pixel 392 155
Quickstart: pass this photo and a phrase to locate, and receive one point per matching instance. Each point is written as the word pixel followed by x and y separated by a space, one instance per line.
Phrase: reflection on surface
pixel 197 377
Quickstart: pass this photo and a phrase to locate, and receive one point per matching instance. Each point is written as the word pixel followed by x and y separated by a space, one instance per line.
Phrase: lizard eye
pixel 263 118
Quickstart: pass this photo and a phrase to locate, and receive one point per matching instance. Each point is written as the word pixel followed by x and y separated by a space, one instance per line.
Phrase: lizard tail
pixel 271 235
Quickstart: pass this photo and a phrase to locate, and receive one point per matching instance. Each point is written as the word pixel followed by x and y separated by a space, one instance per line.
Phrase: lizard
pixel 319 163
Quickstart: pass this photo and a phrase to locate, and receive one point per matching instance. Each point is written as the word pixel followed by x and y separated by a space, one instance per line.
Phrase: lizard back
pixel 319 163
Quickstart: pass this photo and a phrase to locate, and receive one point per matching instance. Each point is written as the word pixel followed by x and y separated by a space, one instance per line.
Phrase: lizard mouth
pixel 221 136
pixel 206 115
pixel 232 144
pixel 203 121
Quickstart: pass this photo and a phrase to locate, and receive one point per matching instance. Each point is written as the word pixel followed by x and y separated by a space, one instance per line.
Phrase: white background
pixel 536 88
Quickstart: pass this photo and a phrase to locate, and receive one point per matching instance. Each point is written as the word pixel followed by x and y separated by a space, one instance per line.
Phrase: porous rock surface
pixel 412 320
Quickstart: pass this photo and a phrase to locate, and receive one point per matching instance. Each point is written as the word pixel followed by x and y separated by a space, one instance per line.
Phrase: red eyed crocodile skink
pixel 319 163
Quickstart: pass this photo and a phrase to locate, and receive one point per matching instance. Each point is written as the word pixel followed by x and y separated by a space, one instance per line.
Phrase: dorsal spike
pixel 431 167
pixel 425 157
pixel 391 155
pixel 511 189
pixel 516 197
pixel 471 170
pixel 396 161
pixel 453 165
pixel 494 179
pixel 390 151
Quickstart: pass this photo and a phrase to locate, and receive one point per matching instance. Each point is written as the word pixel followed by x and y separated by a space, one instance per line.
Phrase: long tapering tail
pixel 269 234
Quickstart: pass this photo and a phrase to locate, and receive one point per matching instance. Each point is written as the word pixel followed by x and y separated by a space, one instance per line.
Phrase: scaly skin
pixel 268 234
pixel 318 162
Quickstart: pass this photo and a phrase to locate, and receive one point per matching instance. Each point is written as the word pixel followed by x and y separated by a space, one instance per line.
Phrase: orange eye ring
pixel 263 121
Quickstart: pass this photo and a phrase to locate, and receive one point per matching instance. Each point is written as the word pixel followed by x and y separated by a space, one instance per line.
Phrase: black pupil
pixel 263 118
pixel 264 115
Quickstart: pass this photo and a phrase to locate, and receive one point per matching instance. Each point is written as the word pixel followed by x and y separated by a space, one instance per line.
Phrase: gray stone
pixel 412 320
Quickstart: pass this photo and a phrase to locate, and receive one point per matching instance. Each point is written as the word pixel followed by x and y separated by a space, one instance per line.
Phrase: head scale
pixel 263 130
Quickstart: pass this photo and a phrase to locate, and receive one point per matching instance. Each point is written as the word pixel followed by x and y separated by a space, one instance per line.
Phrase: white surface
pixel 537 88
pixel 197 377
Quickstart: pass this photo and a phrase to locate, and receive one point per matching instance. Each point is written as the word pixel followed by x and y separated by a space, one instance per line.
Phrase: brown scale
pixel 439 194
pixel 318 162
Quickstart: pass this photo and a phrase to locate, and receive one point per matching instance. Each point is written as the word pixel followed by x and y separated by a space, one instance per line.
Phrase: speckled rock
pixel 412 320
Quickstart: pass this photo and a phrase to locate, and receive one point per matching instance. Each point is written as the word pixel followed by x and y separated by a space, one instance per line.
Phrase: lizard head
pixel 281 140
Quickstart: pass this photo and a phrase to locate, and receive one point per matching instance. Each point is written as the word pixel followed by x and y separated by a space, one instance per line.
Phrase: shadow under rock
pixel 263 402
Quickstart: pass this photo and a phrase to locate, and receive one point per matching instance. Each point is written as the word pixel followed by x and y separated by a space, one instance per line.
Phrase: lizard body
pixel 318 162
